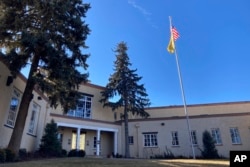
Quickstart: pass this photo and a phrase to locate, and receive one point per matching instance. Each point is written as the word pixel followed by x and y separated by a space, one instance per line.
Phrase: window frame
pixel 150 139
pixel 83 108
pixel 33 124
pixel 60 137
pixel 130 140
pixel 94 142
pixel 216 135
pixel 235 136
pixel 194 137
pixel 175 138
pixel 13 108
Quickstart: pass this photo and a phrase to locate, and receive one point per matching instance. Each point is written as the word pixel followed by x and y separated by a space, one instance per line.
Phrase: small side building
pixel 166 130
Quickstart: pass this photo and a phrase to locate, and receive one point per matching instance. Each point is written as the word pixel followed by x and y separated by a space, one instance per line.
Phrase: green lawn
pixel 104 162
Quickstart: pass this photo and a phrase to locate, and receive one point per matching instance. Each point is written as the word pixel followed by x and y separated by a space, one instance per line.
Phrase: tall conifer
pixel 49 36
pixel 124 83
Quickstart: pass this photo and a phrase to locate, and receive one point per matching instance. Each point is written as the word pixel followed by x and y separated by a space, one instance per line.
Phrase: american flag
pixel 175 33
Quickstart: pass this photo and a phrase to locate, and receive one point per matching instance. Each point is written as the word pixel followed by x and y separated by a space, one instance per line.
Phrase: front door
pixel 81 143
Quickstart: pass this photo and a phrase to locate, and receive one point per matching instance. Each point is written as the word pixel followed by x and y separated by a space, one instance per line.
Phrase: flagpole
pixel 182 92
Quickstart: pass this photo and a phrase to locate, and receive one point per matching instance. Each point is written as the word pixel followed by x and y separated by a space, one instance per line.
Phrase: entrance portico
pixel 98 135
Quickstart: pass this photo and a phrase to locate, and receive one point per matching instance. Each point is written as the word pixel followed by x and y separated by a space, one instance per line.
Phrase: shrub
pixel 209 150
pixel 72 153
pixel 50 145
pixel 23 154
pixel 2 156
pixel 157 156
pixel 81 153
pixel 76 153
pixel 118 155
pixel 168 155
pixel 64 153
pixel 182 157
pixel 37 154
pixel 10 155
pixel 165 155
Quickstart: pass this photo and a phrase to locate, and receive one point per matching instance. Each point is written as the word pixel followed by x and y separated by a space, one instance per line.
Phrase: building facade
pixel 100 131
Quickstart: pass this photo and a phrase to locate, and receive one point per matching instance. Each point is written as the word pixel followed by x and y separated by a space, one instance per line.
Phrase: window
pixel 34 119
pixel 60 137
pixel 95 142
pixel 115 116
pixel 83 108
pixel 216 135
pixel 235 135
pixel 14 104
pixel 121 116
pixel 82 141
pixel 175 139
pixel 73 141
pixel 131 140
pixel 194 137
pixel 150 140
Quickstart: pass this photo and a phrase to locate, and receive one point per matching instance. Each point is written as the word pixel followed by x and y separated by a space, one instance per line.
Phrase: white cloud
pixel 140 8
pixel 144 12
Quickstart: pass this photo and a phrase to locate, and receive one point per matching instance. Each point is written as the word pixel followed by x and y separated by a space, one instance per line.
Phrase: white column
pixel 78 138
pixel 98 136
pixel 115 142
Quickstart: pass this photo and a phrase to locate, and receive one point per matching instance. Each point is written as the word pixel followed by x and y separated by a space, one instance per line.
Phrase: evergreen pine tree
pixel 50 144
pixel 209 150
pixel 124 83
pixel 48 36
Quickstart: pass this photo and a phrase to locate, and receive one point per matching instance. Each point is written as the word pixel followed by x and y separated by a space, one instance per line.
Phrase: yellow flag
pixel 171 46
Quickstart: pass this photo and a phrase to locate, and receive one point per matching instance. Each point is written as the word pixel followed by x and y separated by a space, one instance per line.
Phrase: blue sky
pixel 213 48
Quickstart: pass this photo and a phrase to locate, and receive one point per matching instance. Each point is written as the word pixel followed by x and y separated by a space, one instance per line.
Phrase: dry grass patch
pixel 196 162
pixel 104 162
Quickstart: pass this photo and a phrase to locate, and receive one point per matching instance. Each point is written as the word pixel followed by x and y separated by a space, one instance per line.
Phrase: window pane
pixel 150 140
pixel 14 103
pixel 216 135
pixel 83 108
pixel 94 144
pixel 175 140
pixel 235 136
pixel 32 122
pixel 194 138
pixel 34 119
pixel 131 140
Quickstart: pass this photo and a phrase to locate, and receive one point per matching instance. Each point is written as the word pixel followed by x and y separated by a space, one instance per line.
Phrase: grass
pixel 104 162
